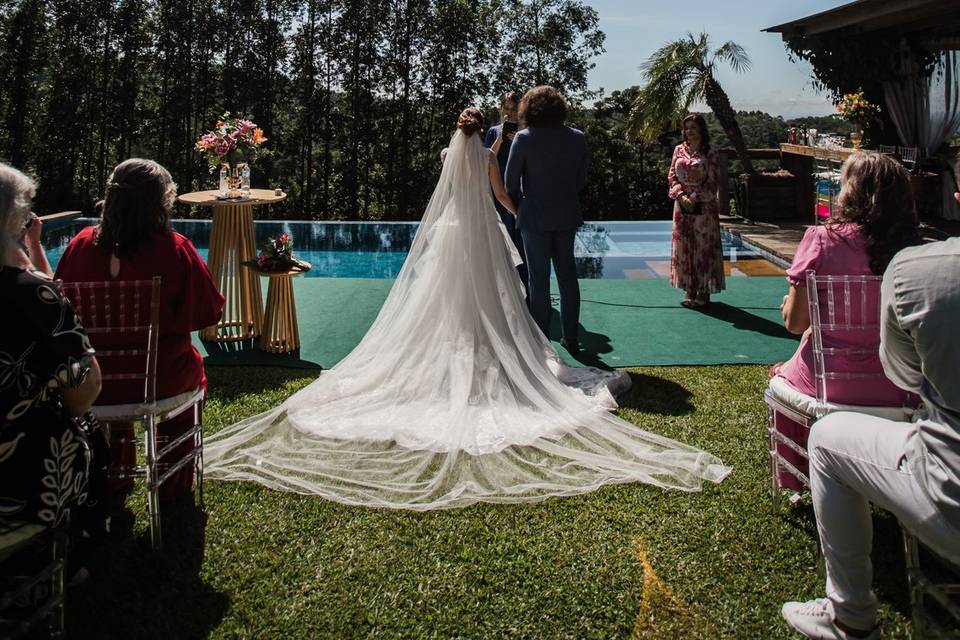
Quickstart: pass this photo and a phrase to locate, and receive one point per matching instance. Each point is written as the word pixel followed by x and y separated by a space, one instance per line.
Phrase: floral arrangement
pixel 233 140
pixel 853 107
pixel 276 254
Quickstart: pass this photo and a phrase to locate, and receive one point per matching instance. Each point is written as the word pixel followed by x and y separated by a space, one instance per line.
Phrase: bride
pixel 454 396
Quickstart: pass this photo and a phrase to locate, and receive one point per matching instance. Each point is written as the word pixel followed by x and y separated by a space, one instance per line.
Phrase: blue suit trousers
pixel 542 248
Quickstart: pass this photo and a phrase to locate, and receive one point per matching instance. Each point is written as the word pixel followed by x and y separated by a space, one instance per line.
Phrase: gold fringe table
pixel 281 333
pixel 231 244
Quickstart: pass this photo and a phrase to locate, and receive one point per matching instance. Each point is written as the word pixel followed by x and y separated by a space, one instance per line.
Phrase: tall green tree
pixel 680 73
pixel 24 37
pixel 548 42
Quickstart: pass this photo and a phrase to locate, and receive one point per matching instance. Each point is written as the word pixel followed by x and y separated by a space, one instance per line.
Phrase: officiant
pixel 498 139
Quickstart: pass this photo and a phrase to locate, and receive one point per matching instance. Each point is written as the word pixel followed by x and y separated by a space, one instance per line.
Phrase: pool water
pixel 635 250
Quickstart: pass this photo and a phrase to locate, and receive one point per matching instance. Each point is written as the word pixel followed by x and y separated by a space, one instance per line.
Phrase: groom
pixel 546 169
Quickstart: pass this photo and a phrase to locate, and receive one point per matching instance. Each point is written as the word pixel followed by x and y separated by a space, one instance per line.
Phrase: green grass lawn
pixel 625 561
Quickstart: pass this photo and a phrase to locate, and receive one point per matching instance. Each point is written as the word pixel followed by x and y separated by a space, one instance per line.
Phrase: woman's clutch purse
pixel 696 211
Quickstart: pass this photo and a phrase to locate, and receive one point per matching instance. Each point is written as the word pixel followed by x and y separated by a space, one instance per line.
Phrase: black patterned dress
pixel 51 464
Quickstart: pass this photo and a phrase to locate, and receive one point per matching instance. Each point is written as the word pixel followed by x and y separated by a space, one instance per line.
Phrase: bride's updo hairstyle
pixel 470 121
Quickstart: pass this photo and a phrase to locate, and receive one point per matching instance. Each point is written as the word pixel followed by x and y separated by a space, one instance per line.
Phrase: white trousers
pixel 856 459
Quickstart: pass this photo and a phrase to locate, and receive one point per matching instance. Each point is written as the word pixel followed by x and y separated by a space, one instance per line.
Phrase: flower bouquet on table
pixel 276 256
pixel 230 147
pixel 854 108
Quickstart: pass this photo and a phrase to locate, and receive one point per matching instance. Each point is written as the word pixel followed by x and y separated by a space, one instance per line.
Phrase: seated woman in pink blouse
pixel 873 219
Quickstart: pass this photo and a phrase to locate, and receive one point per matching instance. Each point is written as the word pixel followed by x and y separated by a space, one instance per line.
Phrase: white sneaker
pixel 815 619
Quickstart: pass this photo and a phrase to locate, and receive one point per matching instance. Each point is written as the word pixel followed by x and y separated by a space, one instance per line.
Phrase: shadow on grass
pixel 246 353
pixel 745 321
pixel 650 394
pixel 228 383
pixel 135 593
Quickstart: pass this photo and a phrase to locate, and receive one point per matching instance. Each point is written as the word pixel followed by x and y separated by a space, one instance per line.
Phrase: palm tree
pixel 680 73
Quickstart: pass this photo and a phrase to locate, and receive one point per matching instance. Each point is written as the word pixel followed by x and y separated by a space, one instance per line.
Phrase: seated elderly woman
pixel 133 241
pixel 873 220
pixel 52 459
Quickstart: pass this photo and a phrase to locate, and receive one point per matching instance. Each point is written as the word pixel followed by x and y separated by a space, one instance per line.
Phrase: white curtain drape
pixel 925 110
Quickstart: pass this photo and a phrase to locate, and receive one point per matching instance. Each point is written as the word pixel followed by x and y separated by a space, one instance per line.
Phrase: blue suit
pixel 546 170
pixel 505 216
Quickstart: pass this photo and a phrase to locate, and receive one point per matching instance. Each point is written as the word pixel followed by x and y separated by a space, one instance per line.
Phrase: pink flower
pixel 225 147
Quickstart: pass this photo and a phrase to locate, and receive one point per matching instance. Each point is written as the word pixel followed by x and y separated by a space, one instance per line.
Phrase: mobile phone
pixel 509 127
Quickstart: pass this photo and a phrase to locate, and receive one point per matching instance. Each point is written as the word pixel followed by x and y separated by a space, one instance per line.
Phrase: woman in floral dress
pixel 696 265
pixel 52 460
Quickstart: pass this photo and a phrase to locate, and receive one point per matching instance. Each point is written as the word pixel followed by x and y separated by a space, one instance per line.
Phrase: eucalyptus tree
pixel 548 42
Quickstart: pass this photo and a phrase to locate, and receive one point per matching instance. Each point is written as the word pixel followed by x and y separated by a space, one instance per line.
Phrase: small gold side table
pixel 231 244
pixel 281 334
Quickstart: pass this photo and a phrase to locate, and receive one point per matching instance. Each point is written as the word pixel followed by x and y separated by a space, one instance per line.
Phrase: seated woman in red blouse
pixel 134 242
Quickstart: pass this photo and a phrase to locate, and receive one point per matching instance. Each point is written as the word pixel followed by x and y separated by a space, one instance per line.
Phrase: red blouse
pixel 189 301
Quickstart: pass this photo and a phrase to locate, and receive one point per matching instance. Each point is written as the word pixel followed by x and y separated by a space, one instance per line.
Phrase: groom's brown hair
pixel 543 106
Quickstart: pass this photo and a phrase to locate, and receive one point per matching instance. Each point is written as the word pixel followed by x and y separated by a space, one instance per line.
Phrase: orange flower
pixel 258 137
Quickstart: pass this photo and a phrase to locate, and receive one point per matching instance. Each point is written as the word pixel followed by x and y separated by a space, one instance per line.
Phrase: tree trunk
pixel 719 103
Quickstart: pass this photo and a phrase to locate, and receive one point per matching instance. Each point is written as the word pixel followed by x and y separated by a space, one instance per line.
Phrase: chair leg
pixel 153 488
pixel 58 586
pixel 772 455
pixel 198 461
pixel 911 554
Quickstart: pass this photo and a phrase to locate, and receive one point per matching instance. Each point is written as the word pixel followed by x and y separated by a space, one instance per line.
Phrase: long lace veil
pixel 453 396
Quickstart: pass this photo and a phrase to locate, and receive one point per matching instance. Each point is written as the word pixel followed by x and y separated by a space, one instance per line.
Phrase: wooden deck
pixel 781 239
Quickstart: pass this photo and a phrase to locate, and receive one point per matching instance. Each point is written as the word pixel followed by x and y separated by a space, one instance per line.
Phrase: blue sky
pixel 636 28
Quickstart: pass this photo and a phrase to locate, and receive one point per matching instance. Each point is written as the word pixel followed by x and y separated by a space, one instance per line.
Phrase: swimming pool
pixel 635 250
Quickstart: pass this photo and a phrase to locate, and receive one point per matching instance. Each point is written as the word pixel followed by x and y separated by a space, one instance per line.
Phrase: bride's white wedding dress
pixel 454 396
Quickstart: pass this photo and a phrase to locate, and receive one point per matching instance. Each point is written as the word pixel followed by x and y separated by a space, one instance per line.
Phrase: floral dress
pixel 696 263
pixel 50 462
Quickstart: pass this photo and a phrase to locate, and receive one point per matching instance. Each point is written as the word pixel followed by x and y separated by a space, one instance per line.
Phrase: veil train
pixel 454 396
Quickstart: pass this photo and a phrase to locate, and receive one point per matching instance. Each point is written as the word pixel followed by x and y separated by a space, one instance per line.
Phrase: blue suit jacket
pixel 546 170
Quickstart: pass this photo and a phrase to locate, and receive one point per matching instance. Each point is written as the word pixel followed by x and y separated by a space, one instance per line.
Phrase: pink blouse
pixel 839 249
pixel 693 174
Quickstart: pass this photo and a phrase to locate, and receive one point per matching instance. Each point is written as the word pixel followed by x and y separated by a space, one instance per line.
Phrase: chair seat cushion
pixel 809 405
pixel 136 411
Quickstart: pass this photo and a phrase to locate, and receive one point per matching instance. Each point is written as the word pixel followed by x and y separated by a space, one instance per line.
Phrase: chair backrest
pixel 908 156
pixel 887 148
pixel 821 160
pixel 122 319
pixel 845 326
pixel 837 159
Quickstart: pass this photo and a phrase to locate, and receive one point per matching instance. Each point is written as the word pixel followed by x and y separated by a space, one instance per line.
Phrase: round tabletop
pixel 208 198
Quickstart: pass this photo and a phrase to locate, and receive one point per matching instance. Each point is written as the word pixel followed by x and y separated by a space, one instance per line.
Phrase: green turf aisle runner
pixel 623 323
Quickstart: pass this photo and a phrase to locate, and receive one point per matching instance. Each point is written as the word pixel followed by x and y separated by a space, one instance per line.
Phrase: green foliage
pixel 356 96
pixel 845 60
pixel 678 74
pixel 627 179
pixel 266 564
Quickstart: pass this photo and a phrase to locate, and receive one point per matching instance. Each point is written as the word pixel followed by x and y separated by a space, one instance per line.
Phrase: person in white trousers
pixel 910 470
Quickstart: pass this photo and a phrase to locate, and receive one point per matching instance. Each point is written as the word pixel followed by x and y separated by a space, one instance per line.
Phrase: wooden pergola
pixel 934 23
pixel 929 25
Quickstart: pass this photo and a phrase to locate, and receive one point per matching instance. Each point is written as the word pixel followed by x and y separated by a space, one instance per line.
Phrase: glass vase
pixel 856 138
pixel 234 180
